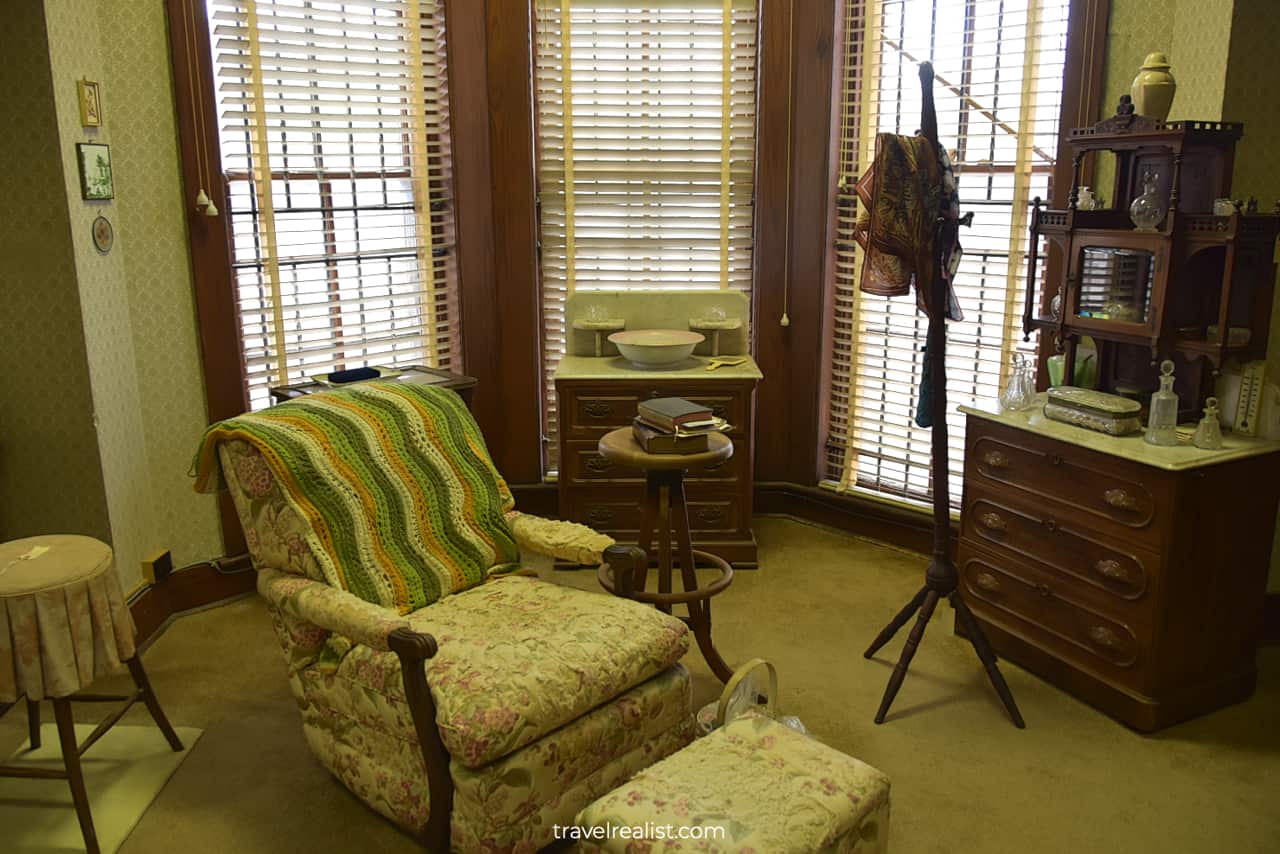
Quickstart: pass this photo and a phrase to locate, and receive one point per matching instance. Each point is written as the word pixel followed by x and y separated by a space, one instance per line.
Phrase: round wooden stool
pixel 626 568
pixel 63 624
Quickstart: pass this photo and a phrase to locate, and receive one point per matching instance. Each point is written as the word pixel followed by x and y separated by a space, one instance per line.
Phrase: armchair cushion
pixel 401 501
pixel 518 659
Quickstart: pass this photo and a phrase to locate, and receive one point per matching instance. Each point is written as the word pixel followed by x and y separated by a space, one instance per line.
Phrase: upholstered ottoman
pixel 752 785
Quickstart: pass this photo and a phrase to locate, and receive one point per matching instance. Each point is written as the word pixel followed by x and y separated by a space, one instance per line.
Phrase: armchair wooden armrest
pixel 558 539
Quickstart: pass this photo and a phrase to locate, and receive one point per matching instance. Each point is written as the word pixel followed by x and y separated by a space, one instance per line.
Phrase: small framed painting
pixel 90 103
pixel 95 171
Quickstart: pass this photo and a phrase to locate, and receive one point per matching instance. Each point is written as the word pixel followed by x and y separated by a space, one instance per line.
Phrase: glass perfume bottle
pixel 1162 419
pixel 1209 432
pixel 1020 392
pixel 1147 210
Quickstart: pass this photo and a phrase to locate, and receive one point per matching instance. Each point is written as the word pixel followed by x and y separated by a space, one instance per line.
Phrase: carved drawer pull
pixel 710 515
pixel 993 522
pixel 988 582
pixel 1055 460
pixel 1044 591
pixel 599 464
pixel 1120 499
pixel 1050 525
pixel 1112 569
pixel 996 460
pixel 599 516
pixel 598 410
pixel 1106 638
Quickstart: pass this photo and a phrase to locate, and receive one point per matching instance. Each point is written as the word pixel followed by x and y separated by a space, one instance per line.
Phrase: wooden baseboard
pixel 193 587
pixel 897 526
pixel 1271 620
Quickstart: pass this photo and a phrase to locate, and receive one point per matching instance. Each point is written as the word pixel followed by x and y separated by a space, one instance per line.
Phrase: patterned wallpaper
pixel 139 321
pixel 50 477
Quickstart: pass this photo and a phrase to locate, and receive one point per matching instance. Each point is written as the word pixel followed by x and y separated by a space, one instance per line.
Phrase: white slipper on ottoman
pixel 753 785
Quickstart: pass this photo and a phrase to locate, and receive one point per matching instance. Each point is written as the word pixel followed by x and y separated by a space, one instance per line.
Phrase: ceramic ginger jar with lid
pixel 1154 87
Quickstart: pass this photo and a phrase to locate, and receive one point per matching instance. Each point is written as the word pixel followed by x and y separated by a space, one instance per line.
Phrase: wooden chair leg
pixel 153 705
pixel 75 777
pixel 33 722
pixel 664 543
pixel 699 610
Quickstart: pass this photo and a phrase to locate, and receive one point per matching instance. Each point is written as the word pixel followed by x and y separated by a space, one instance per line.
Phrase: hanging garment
pixel 906 190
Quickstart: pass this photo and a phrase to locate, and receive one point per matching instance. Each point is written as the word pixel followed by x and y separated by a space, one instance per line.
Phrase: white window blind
pixel 999 67
pixel 646 152
pixel 334 131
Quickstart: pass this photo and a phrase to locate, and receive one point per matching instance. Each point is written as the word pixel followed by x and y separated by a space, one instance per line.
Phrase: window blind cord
pixel 204 204
pixel 785 320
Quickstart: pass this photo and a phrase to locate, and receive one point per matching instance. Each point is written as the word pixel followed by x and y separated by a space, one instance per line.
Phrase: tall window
pixel 999 67
pixel 334 131
pixel 646 151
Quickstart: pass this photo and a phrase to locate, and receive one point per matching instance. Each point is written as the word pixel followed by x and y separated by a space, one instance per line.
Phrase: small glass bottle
pixel 1147 210
pixel 1162 419
pixel 1209 432
pixel 1020 391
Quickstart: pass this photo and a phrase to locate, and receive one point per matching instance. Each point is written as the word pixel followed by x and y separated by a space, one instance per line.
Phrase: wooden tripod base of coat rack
pixel 941 581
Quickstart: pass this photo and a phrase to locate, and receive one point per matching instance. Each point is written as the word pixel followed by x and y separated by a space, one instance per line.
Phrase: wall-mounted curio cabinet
pixel 1165 268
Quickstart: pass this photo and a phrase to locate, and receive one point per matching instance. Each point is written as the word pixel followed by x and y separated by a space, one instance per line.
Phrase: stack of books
pixel 673 425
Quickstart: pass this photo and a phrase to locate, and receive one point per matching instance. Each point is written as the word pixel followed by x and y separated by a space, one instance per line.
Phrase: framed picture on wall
pixel 90 103
pixel 95 171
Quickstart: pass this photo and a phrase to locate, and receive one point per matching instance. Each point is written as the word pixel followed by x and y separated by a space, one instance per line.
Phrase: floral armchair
pixel 482 720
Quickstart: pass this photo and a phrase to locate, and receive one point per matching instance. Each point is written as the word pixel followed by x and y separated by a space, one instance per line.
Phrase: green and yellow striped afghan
pixel 404 502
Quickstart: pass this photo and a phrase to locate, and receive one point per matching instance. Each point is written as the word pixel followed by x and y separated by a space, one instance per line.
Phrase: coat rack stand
pixel 941 581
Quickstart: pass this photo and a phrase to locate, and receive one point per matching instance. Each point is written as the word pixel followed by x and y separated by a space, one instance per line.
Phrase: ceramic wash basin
pixel 656 348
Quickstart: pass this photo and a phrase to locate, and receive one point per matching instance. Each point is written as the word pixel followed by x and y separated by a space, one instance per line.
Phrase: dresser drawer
pixel 582 463
pixel 1046 612
pixel 1120 571
pixel 594 411
pixel 1127 501
pixel 617 512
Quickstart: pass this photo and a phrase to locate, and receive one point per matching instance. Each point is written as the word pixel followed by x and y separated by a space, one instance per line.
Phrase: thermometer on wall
pixel 1249 403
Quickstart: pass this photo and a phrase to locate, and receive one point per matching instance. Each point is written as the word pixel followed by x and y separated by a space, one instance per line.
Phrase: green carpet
pixel 964 780
pixel 123 773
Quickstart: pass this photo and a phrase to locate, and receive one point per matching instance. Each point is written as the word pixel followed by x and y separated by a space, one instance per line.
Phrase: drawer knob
pixel 1055 460
pixel 996 460
pixel 599 516
pixel 988 582
pixel 1112 569
pixel 598 410
pixel 993 522
pixel 1051 525
pixel 710 515
pixel 599 464
pixel 1105 638
pixel 1044 591
pixel 1120 499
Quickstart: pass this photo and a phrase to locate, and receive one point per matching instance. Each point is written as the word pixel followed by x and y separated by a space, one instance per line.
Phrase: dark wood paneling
pixel 192 587
pixel 1271 620
pixel 226 394
pixel 514 386
pixel 792 193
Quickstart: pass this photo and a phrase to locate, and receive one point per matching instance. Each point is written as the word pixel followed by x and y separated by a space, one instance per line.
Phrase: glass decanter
pixel 1020 392
pixel 1162 419
pixel 1209 432
pixel 1147 210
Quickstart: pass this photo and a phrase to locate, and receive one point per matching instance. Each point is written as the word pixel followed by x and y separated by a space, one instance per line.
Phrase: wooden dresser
pixel 1129 575
pixel 599 394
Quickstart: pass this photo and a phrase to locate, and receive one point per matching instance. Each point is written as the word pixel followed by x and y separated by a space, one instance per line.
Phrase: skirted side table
pixel 63 624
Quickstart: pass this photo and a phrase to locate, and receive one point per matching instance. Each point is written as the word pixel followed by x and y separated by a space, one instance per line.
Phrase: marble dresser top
pixel 618 368
pixel 1133 447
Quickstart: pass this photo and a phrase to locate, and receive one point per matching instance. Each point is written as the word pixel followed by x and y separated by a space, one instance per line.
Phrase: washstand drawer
pixel 1121 573
pixel 617 512
pixel 1046 612
pixel 583 463
pixel 1126 500
pixel 595 411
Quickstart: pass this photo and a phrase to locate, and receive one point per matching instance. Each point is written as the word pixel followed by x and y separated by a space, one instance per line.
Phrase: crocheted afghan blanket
pixel 404 502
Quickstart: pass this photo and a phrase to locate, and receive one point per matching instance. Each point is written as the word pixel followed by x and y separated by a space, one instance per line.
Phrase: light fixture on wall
pixel 205 205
